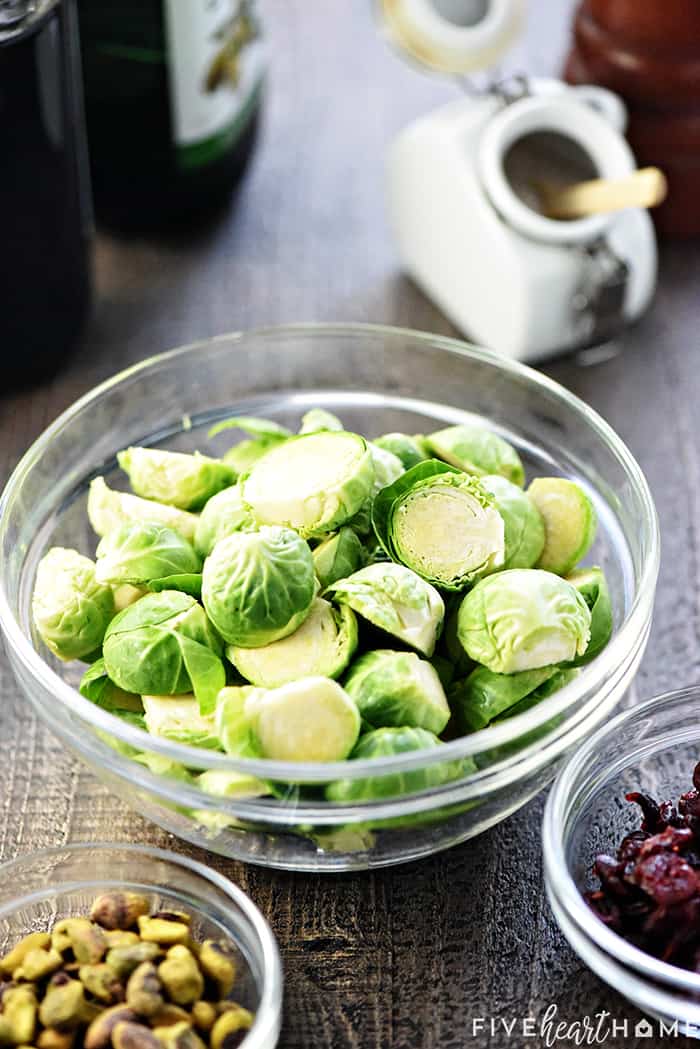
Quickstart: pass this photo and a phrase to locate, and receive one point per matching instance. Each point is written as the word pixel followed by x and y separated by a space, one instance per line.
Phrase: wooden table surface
pixel 406 957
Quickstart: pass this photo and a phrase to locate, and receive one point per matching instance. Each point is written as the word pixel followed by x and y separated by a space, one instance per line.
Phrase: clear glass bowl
pixel 39 889
pixel 378 380
pixel 653 748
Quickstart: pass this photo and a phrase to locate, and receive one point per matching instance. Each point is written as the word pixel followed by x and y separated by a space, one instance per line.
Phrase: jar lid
pixel 453 36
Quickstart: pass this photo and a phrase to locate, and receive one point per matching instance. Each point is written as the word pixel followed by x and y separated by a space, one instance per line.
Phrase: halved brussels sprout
pixel 524 527
pixel 233 721
pixel 313 483
pixel 318 420
pixel 570 522
pixel 258 587
pixel 338 556
pixel 108 509
pixel 323 645
pixel 385 742
pixel 96 686
pixel 397 689
pixel 523 619
pixel 175 478
pixel 441 523
pixel 140 551
pixel 396 600
pixel 164 645
pixel 179 718
pixel 484 695
pixel 222 784
pixel 223 515
pixel 312 719
pixel 593 588
pixel 408 449
pixel 70 607
pixel 477 451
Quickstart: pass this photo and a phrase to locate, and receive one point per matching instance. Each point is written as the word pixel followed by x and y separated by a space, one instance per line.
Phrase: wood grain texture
pixel 404 957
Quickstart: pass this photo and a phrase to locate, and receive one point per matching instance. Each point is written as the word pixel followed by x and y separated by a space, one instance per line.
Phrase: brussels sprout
pixel 312 719
pixel 318 420
pixel 258 587
pixel 179 718
pixel 484 695
pixel 223 515
pixel 164 645
pixel 397 601
pixel 385 742
pixel 441 523
pixel 523 619
pixel 108 509
pixel 313 483
pixel 477 451
pixel 323 645
pixel 570 522
pixel 524 527
pixel 222 784
pixel 234 723
pixel 96 686
pixel 397 689
pixel 338 556
pixel 181 480
pixel 140 551
pixel 70 607
pixel 593 588
pixel 408 449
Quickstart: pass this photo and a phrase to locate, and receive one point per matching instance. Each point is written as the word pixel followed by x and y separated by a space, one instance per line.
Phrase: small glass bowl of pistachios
pixel 128 947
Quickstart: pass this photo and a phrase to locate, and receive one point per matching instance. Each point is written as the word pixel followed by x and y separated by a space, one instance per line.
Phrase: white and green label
pixel 215 66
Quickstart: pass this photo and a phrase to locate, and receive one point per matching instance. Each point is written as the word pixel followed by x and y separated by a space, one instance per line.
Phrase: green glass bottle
pixel 172 97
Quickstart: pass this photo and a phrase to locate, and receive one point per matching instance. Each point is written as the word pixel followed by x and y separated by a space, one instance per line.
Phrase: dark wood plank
pixel 405 957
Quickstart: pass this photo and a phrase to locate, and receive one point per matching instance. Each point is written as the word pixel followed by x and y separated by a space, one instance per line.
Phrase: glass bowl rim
pixel 622 642
pixel 269 1010
pixel 558 878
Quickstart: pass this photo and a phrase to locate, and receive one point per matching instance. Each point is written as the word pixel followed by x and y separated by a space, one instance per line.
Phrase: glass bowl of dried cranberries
pixel 621 842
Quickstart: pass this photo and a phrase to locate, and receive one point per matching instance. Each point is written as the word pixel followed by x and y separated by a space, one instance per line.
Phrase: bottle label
pixel 216 63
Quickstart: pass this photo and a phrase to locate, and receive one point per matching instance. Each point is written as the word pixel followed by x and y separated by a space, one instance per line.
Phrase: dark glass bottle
pixel 44 190
pixel 172 92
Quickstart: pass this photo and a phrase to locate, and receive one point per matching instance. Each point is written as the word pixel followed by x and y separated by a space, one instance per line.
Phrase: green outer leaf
pixel 187 582
pixel 338 556
pixel 593 588
pixel 150 611
pixel 385 499
pixel 223 515
pixel 252 425
pixel 318 420
pixel 233 724
pixel 96 686
pixel 206 672
pixel 483 696
pixel 477 450
pixel 175 478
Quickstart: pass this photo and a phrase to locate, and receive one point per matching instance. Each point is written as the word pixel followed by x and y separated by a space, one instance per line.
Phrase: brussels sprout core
pixel 523 619
pixel 570 522
pixel 312 719
pixel 323 645
pixel 108 509
pixel 313 483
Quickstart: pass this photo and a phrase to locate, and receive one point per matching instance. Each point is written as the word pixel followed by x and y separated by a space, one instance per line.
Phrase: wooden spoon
pixel 642 189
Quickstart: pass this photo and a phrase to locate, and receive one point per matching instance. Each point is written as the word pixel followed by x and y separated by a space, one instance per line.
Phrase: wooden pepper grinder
pixel 649 53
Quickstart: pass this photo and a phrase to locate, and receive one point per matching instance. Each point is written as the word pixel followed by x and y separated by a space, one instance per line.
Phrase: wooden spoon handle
pixel 642 189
